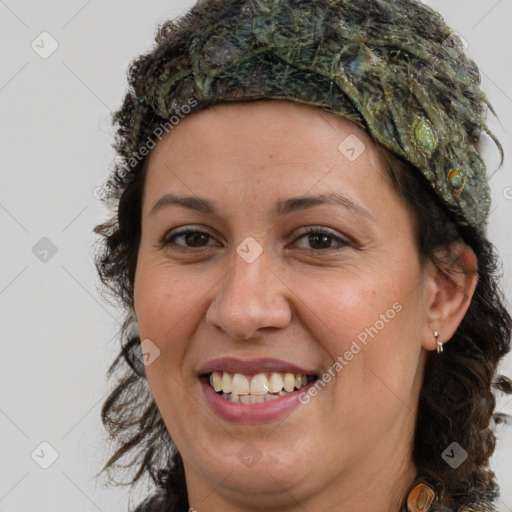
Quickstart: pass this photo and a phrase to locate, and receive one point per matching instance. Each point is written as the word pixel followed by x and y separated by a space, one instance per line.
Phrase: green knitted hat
pixel 391 66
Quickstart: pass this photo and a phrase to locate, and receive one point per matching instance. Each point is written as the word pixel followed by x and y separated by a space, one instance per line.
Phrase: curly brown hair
pixel 456 401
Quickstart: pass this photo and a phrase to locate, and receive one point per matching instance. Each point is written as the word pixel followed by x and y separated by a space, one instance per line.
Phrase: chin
pixel 257 468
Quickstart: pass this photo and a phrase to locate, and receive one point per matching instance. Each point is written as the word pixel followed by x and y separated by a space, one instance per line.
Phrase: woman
pixel 313 320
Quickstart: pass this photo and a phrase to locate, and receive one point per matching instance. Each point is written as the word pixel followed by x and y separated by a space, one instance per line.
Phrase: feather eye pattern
pixel 503 384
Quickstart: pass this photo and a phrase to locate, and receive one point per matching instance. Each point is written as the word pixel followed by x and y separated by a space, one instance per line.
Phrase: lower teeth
pixel 252 399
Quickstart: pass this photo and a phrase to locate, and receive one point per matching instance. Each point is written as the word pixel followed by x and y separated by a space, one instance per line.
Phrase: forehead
pixel 255 137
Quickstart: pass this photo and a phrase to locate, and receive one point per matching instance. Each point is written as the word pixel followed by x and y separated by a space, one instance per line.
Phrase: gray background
pixel 57 339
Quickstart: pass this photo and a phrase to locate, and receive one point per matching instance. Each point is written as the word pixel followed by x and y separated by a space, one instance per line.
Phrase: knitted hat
pixel 393 67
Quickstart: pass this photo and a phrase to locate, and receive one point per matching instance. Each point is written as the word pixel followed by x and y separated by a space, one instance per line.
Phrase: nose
pixel 251 298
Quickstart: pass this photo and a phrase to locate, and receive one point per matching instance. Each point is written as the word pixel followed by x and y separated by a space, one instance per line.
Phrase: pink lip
pixel 251 367
pixel 244 414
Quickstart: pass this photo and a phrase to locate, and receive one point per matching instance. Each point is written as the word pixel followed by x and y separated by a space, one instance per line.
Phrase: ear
pixel 447 302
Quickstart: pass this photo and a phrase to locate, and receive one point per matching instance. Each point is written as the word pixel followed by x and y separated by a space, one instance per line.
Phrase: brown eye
pixel 192 239
pixel 321 239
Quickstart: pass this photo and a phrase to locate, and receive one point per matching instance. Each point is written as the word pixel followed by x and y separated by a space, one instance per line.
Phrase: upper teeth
pixel 259 384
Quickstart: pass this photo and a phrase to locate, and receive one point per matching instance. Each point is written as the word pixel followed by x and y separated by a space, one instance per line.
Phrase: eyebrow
pixel 282 207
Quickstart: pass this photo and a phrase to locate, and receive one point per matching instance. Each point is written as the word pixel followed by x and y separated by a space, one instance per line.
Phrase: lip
pixel 244 414
pixel 251 366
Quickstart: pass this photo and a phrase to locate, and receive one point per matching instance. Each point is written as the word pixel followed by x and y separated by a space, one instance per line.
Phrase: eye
pixel 321 238
pixel 193 238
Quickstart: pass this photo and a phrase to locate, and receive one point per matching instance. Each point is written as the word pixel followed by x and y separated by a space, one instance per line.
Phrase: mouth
pixel 253 391
pixel 256 388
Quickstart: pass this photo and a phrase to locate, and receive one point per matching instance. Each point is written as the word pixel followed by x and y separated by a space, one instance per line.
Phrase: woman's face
pixel 252 294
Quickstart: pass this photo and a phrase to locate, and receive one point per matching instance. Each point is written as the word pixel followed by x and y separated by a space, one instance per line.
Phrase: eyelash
pixel 311 230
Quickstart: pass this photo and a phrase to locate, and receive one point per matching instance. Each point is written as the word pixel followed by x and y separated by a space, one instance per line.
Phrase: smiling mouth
pixel 261 387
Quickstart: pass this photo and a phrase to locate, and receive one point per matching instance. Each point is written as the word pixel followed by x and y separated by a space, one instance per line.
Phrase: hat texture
pixel 393 67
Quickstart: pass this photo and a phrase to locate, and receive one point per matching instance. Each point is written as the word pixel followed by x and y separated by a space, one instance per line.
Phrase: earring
pixel 439 343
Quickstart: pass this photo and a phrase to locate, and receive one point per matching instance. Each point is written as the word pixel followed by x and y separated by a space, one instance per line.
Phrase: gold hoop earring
pixel 439 343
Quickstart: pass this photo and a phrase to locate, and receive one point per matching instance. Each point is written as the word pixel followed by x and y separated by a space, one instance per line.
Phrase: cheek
pixel 369 322
pixel 167 309
pixel 348 301
pixel 165 300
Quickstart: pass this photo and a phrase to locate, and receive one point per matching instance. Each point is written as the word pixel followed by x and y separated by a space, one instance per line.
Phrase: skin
pixel 301 301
